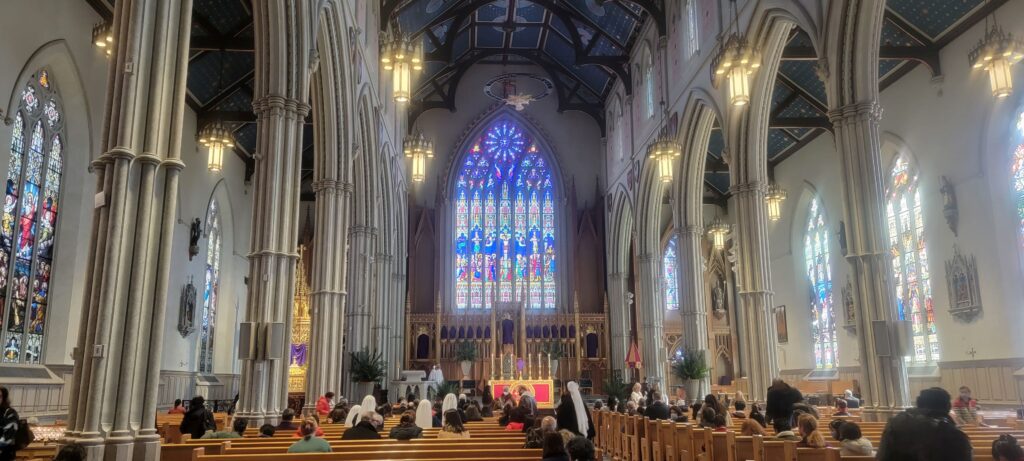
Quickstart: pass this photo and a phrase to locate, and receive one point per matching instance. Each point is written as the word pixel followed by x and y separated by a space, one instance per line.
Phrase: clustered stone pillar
pixel 884 384
pixel 113 398
pixel 397 312
pixel 693 308
pixel 618 321
pixel 651 313
pixel 282 51
pixel 361 244
pixel 758 331
pixel 381 312
pixel 327 300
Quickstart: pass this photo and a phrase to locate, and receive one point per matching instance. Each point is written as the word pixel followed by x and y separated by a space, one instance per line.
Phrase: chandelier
pixel 215 138
pixel 418 148
pixel 996 53
pixel 102 37
pixel 736 62
pixel 401 57
pixel 664 151
pixel 718 231
pixel 774 198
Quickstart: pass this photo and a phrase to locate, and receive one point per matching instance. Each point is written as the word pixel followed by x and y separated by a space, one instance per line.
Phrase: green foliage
pixel 614 386
pixel 367 366
pixel 466 351
pixel 447 387
pixel 692 366
pixel 552 349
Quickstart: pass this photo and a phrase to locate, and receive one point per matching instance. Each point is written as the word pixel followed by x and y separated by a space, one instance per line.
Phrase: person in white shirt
pixel 435 378
pixel 637 396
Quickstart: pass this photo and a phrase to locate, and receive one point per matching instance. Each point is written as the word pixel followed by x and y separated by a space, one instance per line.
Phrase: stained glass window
pixel 819 274
pixel 692 36
pixel 670 273
pixel 505 223
pixel 910 260
pixel 1018 176
pixel 214 237
pixel 30 219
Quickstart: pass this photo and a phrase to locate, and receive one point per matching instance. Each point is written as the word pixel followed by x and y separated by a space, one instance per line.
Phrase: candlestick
pixel 549 365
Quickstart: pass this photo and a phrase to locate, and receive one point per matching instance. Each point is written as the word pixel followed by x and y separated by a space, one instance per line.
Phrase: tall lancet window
pixel 505 221
pixel 910 260
pixel 30 219
pixel 819 274
pixel 211 287
pixel 670 273
pixel 1018 175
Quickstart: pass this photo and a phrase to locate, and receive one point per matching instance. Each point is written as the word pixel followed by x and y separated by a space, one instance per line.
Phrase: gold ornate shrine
pixel 300 327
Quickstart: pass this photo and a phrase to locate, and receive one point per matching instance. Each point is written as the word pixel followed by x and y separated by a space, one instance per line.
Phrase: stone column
pixel 618 321
pixel 756 310
pixel 884 379
pixel 396 362
pixel 281 28
pixel 327 284
pixel 693 307
pixel 651 313
pixel 382 314
pixel 361 243
pixel 115 380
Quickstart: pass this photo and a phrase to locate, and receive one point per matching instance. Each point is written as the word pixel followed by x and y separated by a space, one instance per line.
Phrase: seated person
pixel 1006 448
pixel 756 415
pixel 406 428
pixel 237 430
pixel 453 428
pixel 286 424
pixel 752 427
pixel 338 414
pixel 834 428
pixel 554 448
pixel 178 409
pixel 580 449
pixel 309 443
pixel 925 432
pixel 739 405
pixel 851 401
pixel 719 423
pixel 267 430
pixel 841 408
pixel 965 408
pixel 473 412
pixel 707 417
pixel 535 436
pixel 368 428
pixel 810 435
pixel 784 431
pixel 852 442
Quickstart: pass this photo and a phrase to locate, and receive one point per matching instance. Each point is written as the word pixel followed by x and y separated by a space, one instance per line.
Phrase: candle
pixel 549 365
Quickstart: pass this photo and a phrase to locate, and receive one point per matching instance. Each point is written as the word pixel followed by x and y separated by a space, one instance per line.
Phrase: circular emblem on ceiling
pixel 518 89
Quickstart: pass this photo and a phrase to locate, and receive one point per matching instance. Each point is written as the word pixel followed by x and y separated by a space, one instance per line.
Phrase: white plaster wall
pixel 575 136
pixel 955 129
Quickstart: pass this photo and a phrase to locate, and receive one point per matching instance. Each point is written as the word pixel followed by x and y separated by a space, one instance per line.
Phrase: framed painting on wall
pixel 781 327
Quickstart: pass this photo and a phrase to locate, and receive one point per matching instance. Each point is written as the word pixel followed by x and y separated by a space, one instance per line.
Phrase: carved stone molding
pixel 962 280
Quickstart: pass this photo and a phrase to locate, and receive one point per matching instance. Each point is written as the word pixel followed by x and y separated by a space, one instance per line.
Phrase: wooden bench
pixel 450 454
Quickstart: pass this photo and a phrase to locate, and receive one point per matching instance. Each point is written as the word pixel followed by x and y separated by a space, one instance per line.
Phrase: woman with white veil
pixel 572 414
pixel 450 403
pixel 353 416
pixel 369 405
pixel 424 416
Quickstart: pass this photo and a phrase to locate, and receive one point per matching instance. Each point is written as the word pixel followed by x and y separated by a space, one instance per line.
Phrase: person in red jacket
pixel 325 404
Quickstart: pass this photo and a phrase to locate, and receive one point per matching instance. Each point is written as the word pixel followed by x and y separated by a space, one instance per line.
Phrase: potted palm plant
pixel 554 354
pixel 366 367
pixel 466 354
pixel 691 369
pixel 616 388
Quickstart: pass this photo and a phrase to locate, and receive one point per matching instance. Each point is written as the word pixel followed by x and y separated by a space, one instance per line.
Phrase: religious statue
pixel 194 232
pixel 718 297
pixel 949 207
pixel 849 310
pixel 187 309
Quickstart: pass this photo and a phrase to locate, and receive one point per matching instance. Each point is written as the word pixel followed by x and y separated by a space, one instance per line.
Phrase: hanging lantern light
pixel 664 151
pixel 215 138
pixel 418 149
pixel 736 61
pixel 996 53
pixel 718 231
pixel 773 199
pixel 103 37
pixel 401 57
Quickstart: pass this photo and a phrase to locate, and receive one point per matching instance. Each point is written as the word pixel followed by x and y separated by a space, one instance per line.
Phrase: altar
pixel 542 390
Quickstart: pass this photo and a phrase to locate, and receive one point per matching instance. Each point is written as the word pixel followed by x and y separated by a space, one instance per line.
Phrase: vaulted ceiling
pixel 584 45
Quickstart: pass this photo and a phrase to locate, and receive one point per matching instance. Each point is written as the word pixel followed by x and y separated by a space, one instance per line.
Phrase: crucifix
pixel 972 353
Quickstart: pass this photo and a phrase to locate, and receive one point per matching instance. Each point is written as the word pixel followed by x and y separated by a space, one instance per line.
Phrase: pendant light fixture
pixel 215 138
pixel 401 57
pixel 736 61
pixel 103 37
pixel 773 199
pixel 665 149
pixel 718 231
pixel 996 53
pixel 418 149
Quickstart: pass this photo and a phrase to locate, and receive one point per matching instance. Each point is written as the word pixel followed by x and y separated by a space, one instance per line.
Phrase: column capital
pixel 746 188
pixel 383 257
pixel 332 186
pixel 616 275
pixel 115 153
pixel 647 257
pixel 865 110
pixel 362 230
pixel 272 104
pixel 694 229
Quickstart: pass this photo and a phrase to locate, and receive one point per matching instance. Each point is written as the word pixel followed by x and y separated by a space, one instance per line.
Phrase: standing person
pixel 178 408
pixel 309 443
pixel 325 404
pixel 925 432
pixel 435 378
pixel 487 402
pixel 780 400
pixel 637 395
pixel 10 421
pixel 198 419
pixel 572 414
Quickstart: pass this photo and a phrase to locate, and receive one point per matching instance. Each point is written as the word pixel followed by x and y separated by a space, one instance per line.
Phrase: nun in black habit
pixel 572 414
